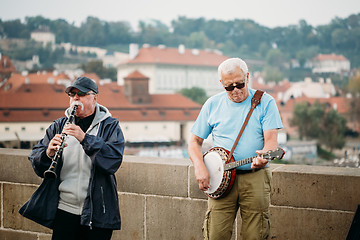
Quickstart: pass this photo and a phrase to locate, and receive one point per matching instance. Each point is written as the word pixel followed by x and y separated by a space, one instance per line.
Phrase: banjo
pixel 222 171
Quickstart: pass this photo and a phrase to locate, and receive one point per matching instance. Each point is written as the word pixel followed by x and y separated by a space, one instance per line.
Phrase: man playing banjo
pixel 223 116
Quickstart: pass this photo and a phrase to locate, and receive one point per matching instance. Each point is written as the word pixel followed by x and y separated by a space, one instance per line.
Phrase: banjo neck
pixel 278 153
pixel 232 165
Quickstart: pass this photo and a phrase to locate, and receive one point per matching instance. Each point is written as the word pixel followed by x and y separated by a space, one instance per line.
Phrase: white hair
pixel 229 66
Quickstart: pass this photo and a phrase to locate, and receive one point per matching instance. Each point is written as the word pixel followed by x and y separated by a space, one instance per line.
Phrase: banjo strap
pixel 254 102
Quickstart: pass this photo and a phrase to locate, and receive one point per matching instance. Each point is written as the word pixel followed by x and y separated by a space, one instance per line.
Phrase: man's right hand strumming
pixel 202 177
pixel 196 156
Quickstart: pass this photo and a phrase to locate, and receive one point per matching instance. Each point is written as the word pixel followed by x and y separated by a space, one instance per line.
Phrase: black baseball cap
pixel 84 84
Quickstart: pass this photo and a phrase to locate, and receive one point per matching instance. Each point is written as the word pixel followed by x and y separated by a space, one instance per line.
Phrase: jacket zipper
pixel 103 200
pixel 91 200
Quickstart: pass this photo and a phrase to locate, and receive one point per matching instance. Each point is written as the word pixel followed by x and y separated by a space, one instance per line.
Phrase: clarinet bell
pixel 50 173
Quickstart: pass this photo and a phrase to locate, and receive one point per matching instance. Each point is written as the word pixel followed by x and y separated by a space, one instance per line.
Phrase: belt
pixel 247 171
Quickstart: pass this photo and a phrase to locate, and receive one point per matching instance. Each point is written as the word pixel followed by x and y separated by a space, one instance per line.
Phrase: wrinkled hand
pixel 75 131
pixel 202 177
pixel 54 144
pixel 259 161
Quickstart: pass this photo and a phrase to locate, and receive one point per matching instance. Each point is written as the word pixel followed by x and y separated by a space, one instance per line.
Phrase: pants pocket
pixel 205 228
pixel 265 229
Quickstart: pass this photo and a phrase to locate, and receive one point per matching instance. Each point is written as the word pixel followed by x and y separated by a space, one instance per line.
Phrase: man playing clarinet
pixel 88 205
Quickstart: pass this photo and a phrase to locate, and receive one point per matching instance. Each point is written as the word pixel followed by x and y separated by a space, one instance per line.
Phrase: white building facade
pixel 43 36
pixel 171 69
pixel 330 63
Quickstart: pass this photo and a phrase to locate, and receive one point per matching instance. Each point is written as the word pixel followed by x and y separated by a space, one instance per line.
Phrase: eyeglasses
pixel 232 87
pixel 80 94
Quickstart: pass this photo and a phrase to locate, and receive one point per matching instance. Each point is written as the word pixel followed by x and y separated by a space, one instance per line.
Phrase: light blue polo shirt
pixel 224 118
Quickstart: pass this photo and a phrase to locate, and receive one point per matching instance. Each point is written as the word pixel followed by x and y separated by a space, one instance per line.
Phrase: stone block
pixel 15 166
pixel 156 176
pixel 174 218
pixel 44 237
pixel 6 234
pixel 316 187
pixel 132 208
pixel 15 195
pixel 306 223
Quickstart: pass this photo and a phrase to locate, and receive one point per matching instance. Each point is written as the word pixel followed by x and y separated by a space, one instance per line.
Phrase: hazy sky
pixel 269 13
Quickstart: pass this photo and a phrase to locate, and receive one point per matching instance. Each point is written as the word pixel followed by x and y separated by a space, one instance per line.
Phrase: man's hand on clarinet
pixel 75 131
pixel 54 145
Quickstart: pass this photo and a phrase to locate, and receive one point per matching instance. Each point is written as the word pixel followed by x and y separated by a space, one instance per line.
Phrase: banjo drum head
pixel 215 165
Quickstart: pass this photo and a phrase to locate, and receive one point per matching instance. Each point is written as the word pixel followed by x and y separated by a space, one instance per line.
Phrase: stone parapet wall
pixel 160 199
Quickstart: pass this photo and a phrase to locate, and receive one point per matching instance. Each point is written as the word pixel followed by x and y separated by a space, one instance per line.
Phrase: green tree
pixel 275 58
pixel 96 66
pixel 301 119
pixel 264 47
pixel 198 40
pixel 185 26
pixel 332 130
pixel 153 32
pixel 120 32
pixel 354 88
pixel 354 84
pixel 195 93
pixel 36 22
pixel 216 30
pixel 272 74
pixel 64 32
pixel 229 48
pixel 93 32
pixel 319 122
pixel 306 53
pixel 14 29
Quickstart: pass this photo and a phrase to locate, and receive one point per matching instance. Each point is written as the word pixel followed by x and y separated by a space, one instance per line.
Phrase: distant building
pixel 32 102
pixel 310 89
pixel 6 67
pixel 110 59
pixel 330 63
pixel 171 69
pixel 43 35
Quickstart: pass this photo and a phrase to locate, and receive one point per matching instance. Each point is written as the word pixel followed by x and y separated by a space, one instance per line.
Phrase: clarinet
pixel 51 172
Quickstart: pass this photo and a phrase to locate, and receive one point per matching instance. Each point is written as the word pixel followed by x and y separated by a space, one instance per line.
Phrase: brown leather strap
pixel 254 102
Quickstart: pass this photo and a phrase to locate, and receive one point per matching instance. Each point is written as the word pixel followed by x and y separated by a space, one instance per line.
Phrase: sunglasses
pixel 80 94
pixel 232 87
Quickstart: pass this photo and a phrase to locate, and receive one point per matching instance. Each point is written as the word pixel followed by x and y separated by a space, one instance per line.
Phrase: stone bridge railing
pixel 160 199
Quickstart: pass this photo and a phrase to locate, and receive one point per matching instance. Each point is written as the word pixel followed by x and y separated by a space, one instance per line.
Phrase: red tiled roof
pixel 17 80
pixel 342 104
pixel 136 75
pixel 168 55
pixel 325 57
pixel 47 102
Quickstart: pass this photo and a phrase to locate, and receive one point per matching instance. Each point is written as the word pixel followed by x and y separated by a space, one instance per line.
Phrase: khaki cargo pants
pixel 250 193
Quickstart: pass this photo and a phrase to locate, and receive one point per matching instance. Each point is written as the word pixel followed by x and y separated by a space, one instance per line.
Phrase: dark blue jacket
pixel 101 206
